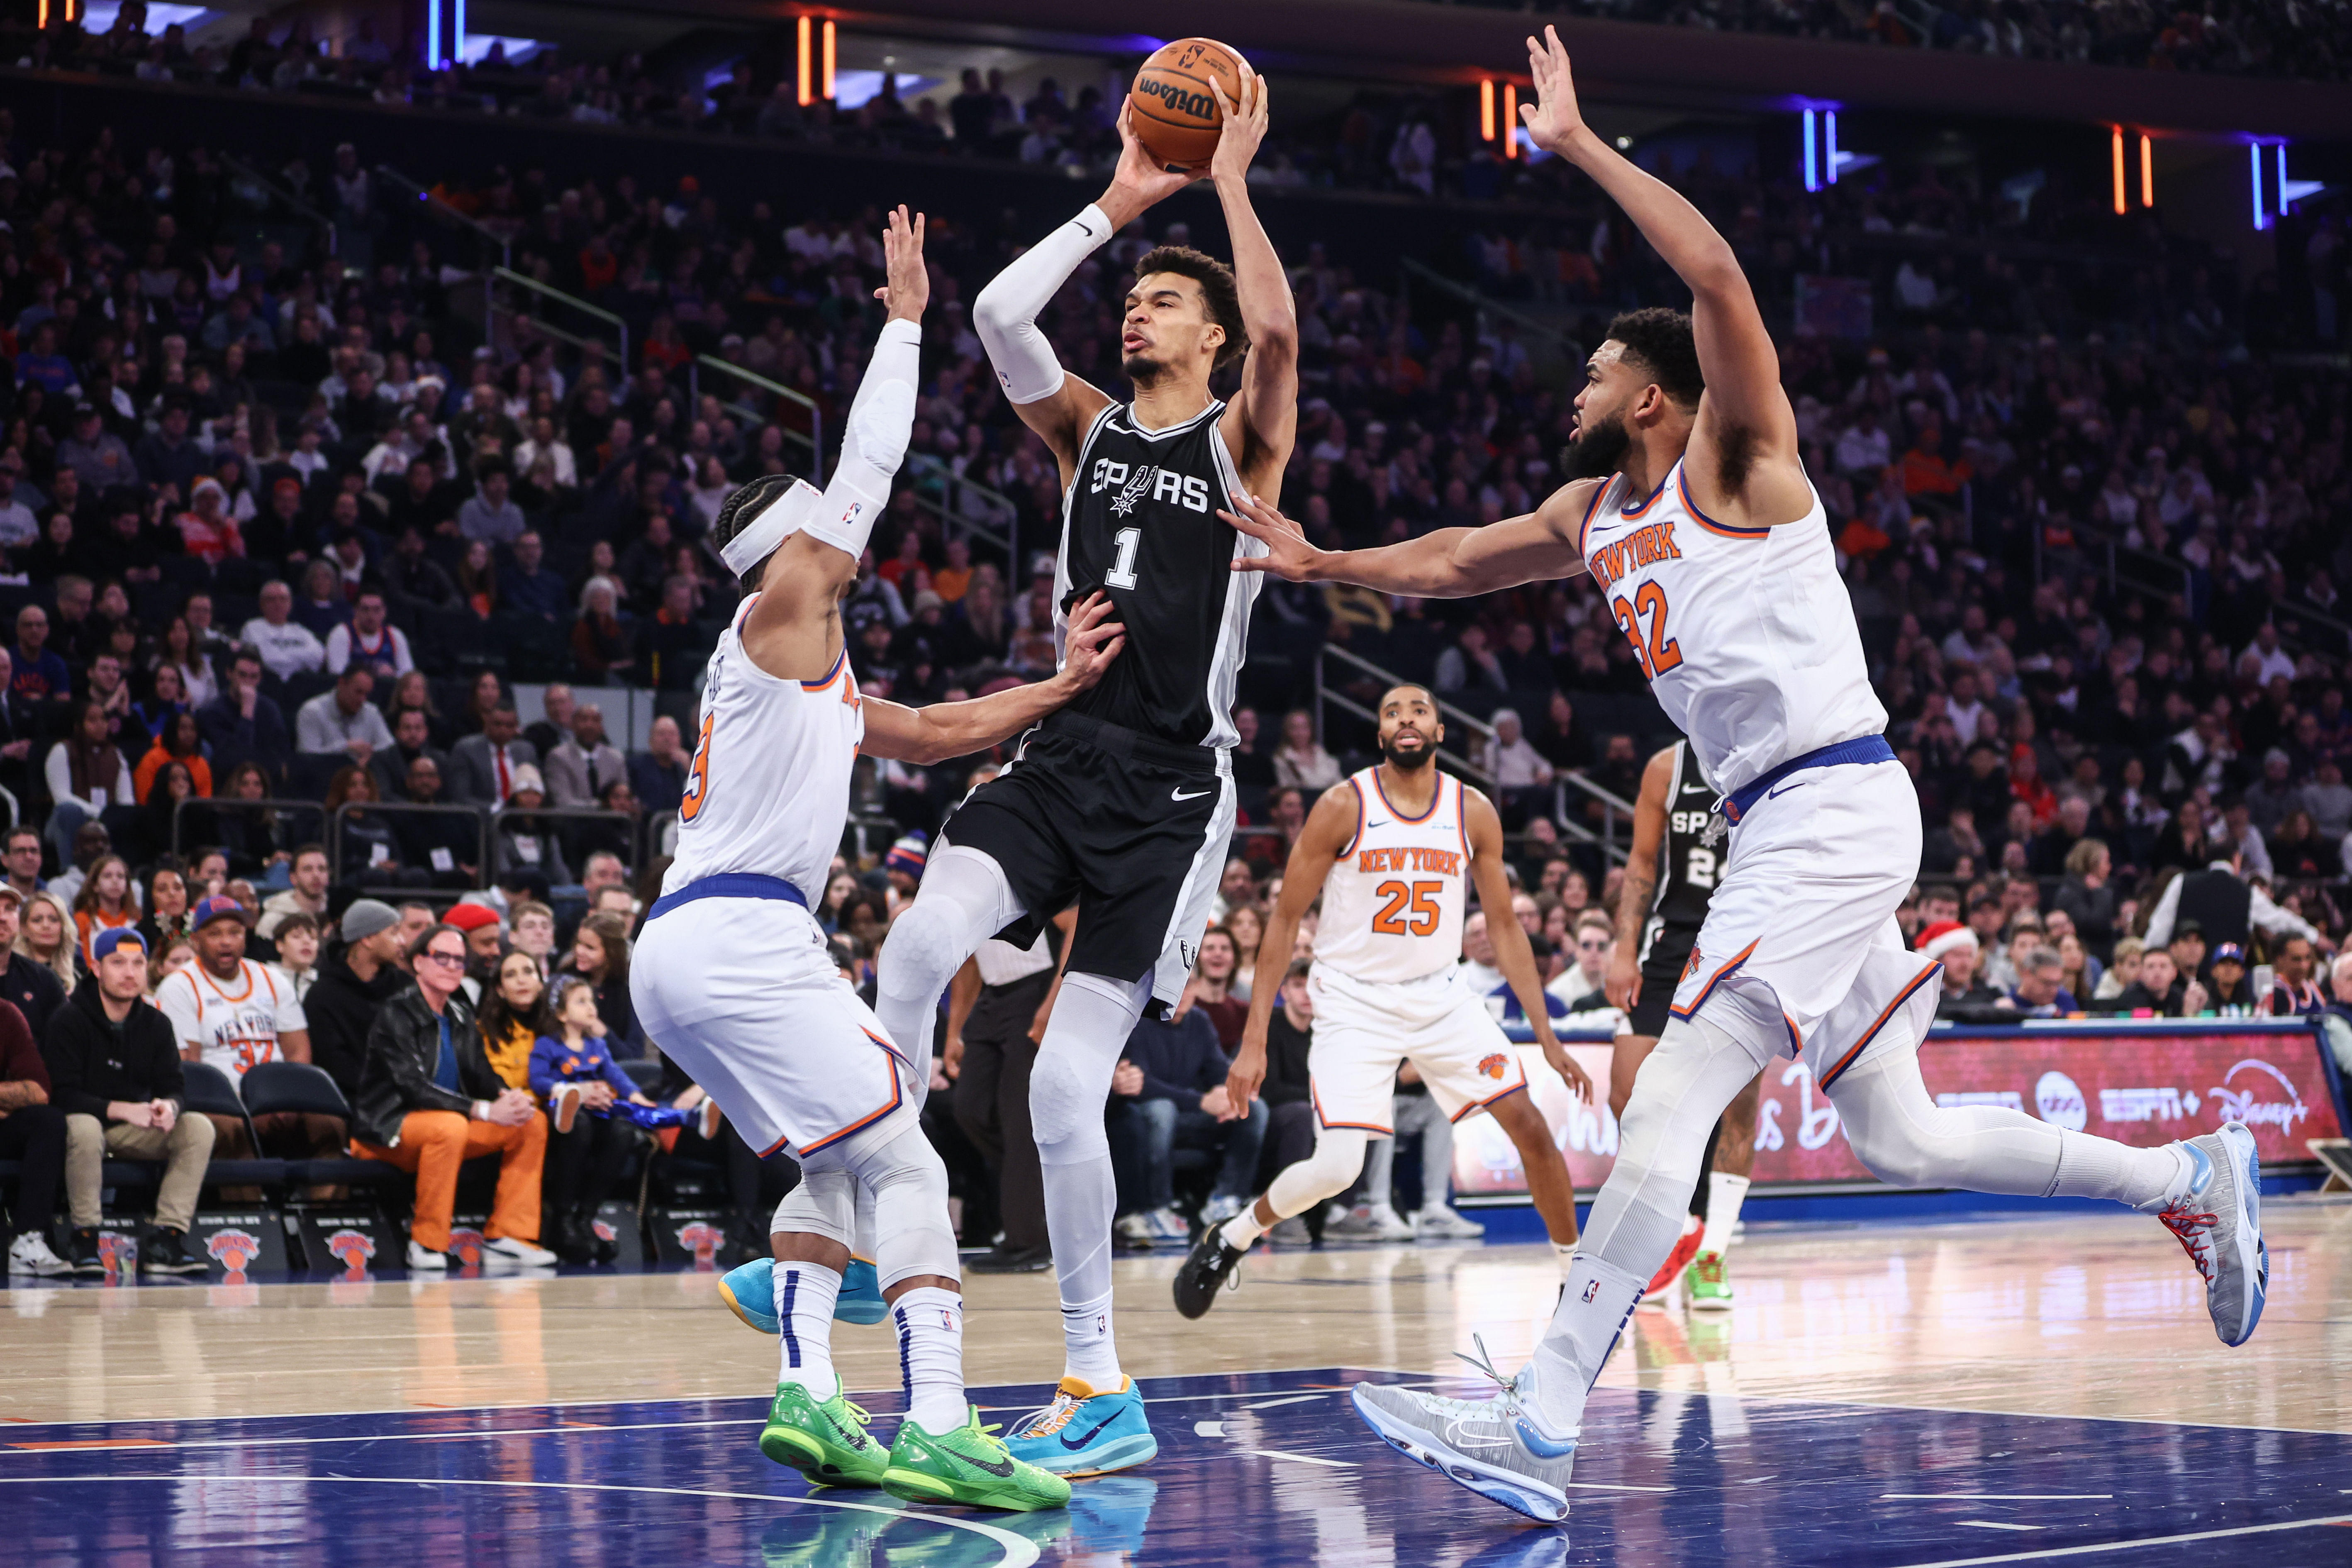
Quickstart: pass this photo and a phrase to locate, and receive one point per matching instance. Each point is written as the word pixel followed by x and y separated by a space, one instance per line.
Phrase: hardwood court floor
pixel 2086 1315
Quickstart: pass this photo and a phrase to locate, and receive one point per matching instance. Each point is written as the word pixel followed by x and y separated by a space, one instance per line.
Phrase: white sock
pixel 1591 1314
pixel 805 1293
pixel 929 1321
pixel 1725 1193
pixel 1089 1353
pixel 1242 1229
pixel 1565 1252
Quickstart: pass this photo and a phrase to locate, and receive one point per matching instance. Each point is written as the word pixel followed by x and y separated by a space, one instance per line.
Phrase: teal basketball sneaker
pixel 1083 1433
pixel 750 1292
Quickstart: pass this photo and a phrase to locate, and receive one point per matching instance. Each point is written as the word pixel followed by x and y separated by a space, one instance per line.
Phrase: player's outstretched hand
pixel 906 288
pixel 1288 554
pixel 1243 128
pixel 1141 178
pixel 1622 982
pixel 1565 1065
pixel 1553 118
pixel 1090 643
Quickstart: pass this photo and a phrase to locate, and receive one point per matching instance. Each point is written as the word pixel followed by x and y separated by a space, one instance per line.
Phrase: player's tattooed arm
pixel 946 730
pixel 1329 826
pixel 1622 985
pixel 1446 563
pixel 1514 954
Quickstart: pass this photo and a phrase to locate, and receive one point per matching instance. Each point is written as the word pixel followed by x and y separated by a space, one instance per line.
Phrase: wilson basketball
pixel 1176 116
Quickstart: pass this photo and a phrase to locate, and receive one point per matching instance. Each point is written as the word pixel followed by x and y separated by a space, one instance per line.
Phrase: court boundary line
pixel 2146 1541
pixel 1018 1553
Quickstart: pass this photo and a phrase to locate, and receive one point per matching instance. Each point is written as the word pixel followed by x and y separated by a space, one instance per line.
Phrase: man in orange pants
pixel 428 1102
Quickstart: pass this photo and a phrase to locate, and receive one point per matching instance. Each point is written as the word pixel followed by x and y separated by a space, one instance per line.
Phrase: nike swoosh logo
pixel 1179 795
pixel 1382 823
pixel 1000 1468
pixel 1076 1442
pixel 1775 795
pixel 1084 227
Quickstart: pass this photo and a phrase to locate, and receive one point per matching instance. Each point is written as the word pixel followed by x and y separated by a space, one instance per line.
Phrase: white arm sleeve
pixel 873 443
pixel 1005 313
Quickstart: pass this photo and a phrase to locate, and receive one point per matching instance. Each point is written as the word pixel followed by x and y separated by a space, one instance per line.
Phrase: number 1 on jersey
pixel 1122 571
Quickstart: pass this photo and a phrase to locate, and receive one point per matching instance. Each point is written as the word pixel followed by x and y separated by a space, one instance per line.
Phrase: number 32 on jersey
pixel 1657 652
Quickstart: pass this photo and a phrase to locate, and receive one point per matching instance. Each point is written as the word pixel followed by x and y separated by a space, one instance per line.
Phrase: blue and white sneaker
pixel 1083 1433
pixel 2219 1223
pixel 750 1292
pixel 1486 1444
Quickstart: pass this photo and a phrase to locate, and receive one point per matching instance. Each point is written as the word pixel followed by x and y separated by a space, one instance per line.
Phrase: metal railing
pixel 505 274
pixel 352 808
pixel 482 231
pixel 217 806
pixel 301 209
pixel 1568 347
pixel 952 505
pixel 501 818
pixel 814 440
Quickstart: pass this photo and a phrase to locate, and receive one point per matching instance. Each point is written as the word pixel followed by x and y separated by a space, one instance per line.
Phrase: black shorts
pixel 1132 829
pixel 1661 971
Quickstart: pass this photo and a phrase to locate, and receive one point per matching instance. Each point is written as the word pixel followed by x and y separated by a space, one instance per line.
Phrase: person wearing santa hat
pixel 1954 945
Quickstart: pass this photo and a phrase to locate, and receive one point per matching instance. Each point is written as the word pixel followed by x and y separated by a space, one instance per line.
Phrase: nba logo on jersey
pixel 1591 1288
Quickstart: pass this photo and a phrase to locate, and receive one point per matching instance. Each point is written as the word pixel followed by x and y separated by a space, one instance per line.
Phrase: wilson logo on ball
pixel 1177 100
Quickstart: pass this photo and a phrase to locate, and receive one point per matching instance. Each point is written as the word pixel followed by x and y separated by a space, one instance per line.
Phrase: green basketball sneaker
pixel 969 1465
pixel 1705 1285
pixel 826 1440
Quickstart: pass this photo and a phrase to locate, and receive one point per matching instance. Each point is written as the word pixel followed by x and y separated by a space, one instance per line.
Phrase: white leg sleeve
pixel 1697 1069
pixel 825 1204
pixel 1338 1155
pixel 909 1182
pixel 964 901
pixel 1092 1018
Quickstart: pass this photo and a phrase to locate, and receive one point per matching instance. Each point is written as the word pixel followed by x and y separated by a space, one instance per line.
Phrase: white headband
pixel 777 522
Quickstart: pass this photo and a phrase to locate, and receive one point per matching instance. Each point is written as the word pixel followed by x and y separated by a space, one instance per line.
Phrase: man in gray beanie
pixel 356 979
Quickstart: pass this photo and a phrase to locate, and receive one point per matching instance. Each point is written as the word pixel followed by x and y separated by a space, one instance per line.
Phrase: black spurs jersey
pixel 1693 855
pixel 1139 521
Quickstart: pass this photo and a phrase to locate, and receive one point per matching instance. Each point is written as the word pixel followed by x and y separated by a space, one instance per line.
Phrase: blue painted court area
pixel 1256 1469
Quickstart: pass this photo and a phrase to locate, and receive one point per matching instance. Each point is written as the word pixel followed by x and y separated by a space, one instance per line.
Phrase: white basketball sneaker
pixel 1489 1446
pixel 2219 1223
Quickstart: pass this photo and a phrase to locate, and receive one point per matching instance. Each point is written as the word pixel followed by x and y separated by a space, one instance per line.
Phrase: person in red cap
pixel 1954 945
pixel 484 937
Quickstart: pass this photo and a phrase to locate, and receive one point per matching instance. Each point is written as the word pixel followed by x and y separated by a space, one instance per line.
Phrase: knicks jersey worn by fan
pixel 1746 634
pixel 1393 906
pixel 233 1024
pixel 1140 522
pixel 768 789
pixel 1386 982
pixel 732 976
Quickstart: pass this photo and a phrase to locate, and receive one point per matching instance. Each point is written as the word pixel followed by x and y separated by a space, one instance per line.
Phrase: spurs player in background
pixel 733 978
pixel 1124 802
pixel 1695 517
pixel 1392 852
pixel 1669 877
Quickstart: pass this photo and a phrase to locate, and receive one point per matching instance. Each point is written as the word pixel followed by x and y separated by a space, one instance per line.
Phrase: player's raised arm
pixel 946 730
pixel 813 542
pixel 1622 986
pixel 1329 826
pixel 1054 404
pixel 1514 955
pixel 1445 564
pixel 1262 422
pixel 1743 459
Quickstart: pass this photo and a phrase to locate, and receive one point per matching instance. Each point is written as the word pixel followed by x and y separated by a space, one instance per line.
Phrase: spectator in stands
pixel 114 1070
pixel 233 1014
pixel 241 725
pixel 585 765
pixel 482 767
pixel 1168 1091
pixel 446 847
pixel 296 967
pixel 40 673
pixel 1582 983
pixel 658 773
pixel 2219 904
pixel 103 903
pixel 1521 775
pixel 87 777
pixel 33 988
pixel 182 741
pixel 489 515
pixel 526 588
pixel 411 739
pixel 484 940
pixel 305 893
pixel 2087 895
pixel 2294 993
pixel 1955 946
pixel 287 646
pixel 671 648
pixel 428 1102
pixel 46 937
pixel 533 924
pixel 524 840
pixel 371 847
pixel 368 641
pixel 22 859
pixel 2229 994
pixel 2041 991
pixel 341 722
pixel 2162 990
pixel 355 982
pixel 1301 763
pixel 600 956
pixel 33 1134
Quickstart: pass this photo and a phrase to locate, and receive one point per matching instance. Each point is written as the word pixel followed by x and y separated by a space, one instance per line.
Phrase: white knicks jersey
pixel 233 1024
pixel 1746 634
pixel 767 791
pixel 1393 906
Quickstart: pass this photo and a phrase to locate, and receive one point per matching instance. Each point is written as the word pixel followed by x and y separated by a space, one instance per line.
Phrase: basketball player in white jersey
pixel 1670 877
pixel 1695 517
pixel 733 977
pixel 1393 851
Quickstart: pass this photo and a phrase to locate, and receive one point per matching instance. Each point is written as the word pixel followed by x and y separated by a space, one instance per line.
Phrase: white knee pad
pixel 825 1204
pixel 964 901
pixel 911 1232
pixel 1093 1017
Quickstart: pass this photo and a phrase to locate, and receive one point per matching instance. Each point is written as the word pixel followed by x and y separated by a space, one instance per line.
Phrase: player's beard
pixel 1598 451
pixel 1409 760
pixel 1142 370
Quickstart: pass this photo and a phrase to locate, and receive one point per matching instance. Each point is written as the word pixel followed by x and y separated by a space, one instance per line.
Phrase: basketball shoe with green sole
pixel 970 1466
pixel 824 1439
pixel 1705 1287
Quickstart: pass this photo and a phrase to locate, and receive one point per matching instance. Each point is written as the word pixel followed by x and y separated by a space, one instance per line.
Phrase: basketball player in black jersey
pixel 1678 842
pixel 1124 802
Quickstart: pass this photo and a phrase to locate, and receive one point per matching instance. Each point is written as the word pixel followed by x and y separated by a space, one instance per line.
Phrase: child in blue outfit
pixel 576 1072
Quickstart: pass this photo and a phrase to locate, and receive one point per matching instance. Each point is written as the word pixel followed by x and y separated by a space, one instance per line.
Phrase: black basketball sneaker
pixel 1212 1267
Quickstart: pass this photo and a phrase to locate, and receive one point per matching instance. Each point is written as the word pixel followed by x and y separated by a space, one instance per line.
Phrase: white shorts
pixel 1364 1028
pixel 742 995
pixel 1800 936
